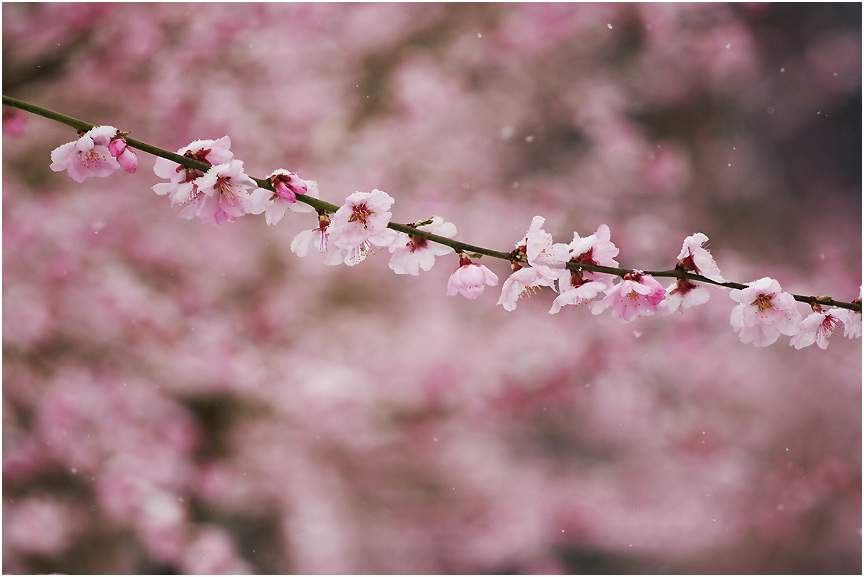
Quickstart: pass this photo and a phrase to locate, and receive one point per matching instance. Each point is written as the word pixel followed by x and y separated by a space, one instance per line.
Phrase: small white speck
pixel 507 132
pixel 782 70
pixel 728 46
pixel 562 530
pixel 479 35
pixel 435 439
pixel 529 138
pixel 818 112
pixel 821 257
pixel 609 26
pixel 733 148
pixel 835 74
pixel 516 184
pixel 637 334
pixel 73 470
pixel 729 164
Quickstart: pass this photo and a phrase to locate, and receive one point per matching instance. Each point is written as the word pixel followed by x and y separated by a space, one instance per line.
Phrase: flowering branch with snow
pixel 208 183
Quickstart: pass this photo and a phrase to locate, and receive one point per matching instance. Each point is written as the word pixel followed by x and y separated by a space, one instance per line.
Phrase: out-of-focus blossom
pixel 288 185
pixel 211 551
pixel 764 313
pixel 38 526
pixel 14 121
pixel 470 278
pixel 413 253
pixel 225 190
pixel 819 325
pixel 88 156
pixel 637 294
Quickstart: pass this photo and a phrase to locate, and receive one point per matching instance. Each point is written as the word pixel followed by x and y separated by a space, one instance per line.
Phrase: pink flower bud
pixel 128 160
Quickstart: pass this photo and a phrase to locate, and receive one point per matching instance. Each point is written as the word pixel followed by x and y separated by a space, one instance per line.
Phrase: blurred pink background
pixel 185 398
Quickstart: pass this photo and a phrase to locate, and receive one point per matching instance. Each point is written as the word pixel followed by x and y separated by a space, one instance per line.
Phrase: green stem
pixel 458 246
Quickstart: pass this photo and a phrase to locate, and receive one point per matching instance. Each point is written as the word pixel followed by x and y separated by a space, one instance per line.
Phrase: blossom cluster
pixel 361 225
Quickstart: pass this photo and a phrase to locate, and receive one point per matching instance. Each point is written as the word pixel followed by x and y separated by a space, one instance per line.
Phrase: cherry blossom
pixel 181 188
pixel 695 257
pixel 818 326
pixel 88 156
pixel 361 224
pixel 470 278
pixel 575 291
pixel 413 253
pixel 851 323
pixel 595 249
pixel 288 185
pixel 764 312
pixel 315 239
pixel 523 282
pixel 637 294
pixel 225 190
pixel 125 156
pixel 363 216
pixel 683 294
pixel 540 251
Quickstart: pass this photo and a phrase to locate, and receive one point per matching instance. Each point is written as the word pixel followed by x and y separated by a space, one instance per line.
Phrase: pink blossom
pixel 125 156
pixel 595 249
pixel 363 216
pixel 287 185
pixel 817 327
pixel 521 283
pixel 14 122
pixel 682 294
pixel 851 323
pixel 318 239
pixel 575 294
pixel 225 190
pixel 695 257
pixel 637 294
pixel 764 312
pixel 413 253
pixel 87 156
pixel 539 249
pixel 180 187
pixel 470 278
